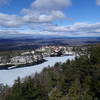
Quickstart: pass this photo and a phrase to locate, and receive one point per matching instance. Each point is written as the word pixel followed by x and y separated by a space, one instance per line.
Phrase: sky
pixel 72 18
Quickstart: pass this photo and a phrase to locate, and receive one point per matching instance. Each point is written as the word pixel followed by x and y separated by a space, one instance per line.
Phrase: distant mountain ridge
pixel 32 42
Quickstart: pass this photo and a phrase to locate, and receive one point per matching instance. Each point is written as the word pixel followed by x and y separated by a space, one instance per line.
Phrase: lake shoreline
pixel 10 66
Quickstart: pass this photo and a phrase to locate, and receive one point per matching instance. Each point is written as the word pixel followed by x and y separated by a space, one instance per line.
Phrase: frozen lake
pixel 9 76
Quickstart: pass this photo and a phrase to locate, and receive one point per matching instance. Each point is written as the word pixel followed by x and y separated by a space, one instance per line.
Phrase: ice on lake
pixel 9 76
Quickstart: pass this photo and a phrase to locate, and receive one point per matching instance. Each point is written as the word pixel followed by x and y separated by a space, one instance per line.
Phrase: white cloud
pixel 3 2
pixel 28 32
pixel 51 4
pixel 38 17
pixel 44 11
pixel 77 29
pixel 10 20
pixel 55 15
pixel 32 17
pixel 98 2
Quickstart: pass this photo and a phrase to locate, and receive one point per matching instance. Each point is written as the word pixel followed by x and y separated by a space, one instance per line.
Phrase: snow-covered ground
pixel 9 76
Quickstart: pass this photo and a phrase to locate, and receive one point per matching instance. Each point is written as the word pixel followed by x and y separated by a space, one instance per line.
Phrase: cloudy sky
pixel 50 17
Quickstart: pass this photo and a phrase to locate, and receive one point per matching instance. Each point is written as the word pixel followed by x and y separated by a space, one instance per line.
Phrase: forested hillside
pixel 74 80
